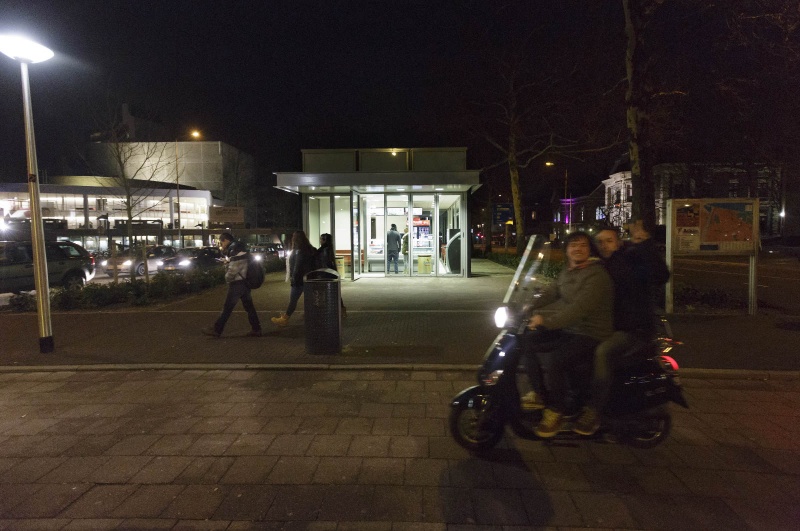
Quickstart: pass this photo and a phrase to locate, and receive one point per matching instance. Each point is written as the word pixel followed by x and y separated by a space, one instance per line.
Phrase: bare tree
pixel 133 171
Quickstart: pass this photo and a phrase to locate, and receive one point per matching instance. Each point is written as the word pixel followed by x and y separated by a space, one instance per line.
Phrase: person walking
pixel 301 262
pixel 326 258
pixel 236 258
pixel 393 245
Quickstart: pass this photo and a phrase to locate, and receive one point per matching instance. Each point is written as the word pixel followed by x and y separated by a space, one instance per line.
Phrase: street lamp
pixel 194 134
pixel 26 51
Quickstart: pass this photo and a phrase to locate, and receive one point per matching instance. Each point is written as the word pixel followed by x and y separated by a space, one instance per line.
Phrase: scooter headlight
pixel 501 317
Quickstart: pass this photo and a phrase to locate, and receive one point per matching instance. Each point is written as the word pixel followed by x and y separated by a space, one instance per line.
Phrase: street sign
pixel 502 213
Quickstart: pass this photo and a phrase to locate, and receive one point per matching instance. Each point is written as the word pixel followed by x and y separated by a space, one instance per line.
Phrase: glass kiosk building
pixel 357 194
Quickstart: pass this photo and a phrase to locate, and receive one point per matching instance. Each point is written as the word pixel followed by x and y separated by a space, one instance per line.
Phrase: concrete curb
pixel 716 374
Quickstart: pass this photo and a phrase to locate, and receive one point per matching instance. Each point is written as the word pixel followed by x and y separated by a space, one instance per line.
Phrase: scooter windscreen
pixel 535 271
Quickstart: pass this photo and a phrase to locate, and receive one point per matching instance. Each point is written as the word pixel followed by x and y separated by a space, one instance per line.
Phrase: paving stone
pixel 30 470
pixel 205 470
pixel 369 446
pixel 31 427
pixel 471 473
pixel 293 470
pixel 602 509
pixel 177 444
pixel 148 501
pixel 250 444
pixel 410 446
pixel 423 471
pixel 550 508
pixel 329 445
pixel 211 444
pixel 249 469
pixel 382 471
pixel 13 494
pixel 390 426
pixel 290 445
pixel 33 524
pixel 74 469
pixel 355 426
pixel 449 505
pixel 339 470
pixel 398 503
pixel 162 469
pixel 180 425
pixel 297 502
pixel 498 507
pixel 427 427
pixel 118 469
pixel 133 445
pixel 562 476
pixel 48 501
pixel 92 524
pixel 191 525
pixel 196 502
pixel 767 514
pixel 347 503
pixel 246 502
pixel 99 502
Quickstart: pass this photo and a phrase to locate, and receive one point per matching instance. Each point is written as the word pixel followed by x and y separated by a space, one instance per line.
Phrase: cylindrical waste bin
pixel 340 265
pixel 424 264
pixel 323 318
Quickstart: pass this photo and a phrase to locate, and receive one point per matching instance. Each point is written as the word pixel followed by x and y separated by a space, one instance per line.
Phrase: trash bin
pixel 323 318
pixel 424 264
pixel 340 265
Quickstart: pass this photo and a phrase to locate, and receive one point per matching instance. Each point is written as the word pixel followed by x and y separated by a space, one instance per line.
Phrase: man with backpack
pixel 237 260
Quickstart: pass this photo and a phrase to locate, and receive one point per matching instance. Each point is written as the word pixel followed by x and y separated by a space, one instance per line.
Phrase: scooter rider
pixel 635 272
pixel 577 312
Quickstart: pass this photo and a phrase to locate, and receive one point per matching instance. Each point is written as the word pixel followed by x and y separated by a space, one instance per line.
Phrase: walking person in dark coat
pixel 301 262
pixel 393 245
pixel 326 257
pixel 236 258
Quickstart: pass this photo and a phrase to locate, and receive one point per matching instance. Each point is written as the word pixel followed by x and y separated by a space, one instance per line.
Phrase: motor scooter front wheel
pixel 650 429
pixel 471 427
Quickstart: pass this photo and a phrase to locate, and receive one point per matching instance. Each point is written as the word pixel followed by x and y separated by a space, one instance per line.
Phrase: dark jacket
pixel 326 258
pixel 637 271
pixel 301 263
pixel 579 301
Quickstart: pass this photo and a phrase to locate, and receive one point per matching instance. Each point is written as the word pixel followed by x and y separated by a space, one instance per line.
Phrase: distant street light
pixel 26 51
pixel 196 135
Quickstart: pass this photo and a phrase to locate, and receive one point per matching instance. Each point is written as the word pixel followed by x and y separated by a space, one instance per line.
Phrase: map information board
pixel 714 226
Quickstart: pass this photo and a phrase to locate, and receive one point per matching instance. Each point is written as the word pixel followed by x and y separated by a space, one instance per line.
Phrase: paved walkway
pixel 369 450
pixel 419 321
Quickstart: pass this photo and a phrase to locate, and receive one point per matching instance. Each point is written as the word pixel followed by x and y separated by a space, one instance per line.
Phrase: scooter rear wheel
pixel 471 429
pixel 650 429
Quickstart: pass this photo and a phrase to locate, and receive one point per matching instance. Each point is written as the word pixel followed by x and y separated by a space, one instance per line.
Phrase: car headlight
pixel 126 263
pixel 160 263
pixel 184 263
pixel 257 257
pixel 501 317
pixel 104 263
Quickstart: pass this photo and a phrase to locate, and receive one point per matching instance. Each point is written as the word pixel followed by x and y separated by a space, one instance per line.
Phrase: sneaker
pixel 254 333
pixel 210 331
pixel 550 424
pixel 587 423
pixel 531 400
pixel 283 320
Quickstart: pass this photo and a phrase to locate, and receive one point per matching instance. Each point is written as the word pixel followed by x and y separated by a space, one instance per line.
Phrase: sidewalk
pixel 394 320
pixel 370 450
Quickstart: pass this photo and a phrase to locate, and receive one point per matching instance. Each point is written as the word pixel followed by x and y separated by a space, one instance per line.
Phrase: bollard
pixel 322 309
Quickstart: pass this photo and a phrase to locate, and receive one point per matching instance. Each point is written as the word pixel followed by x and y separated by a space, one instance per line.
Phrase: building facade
pixel 356 195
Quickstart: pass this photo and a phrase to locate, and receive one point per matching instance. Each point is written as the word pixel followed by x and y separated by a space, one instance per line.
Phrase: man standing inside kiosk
pixel 393 245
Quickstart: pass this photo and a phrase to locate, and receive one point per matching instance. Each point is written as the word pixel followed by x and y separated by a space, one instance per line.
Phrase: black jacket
pixel 638 272
pixel 301 263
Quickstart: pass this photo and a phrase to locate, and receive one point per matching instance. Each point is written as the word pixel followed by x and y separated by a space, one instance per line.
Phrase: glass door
pixel 452 247
pixel 423 240
pixel 355 250
pixel 373 232
pixel 397 220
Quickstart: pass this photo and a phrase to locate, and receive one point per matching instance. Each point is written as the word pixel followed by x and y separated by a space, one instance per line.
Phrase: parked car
pixel 268 252
pixel 127 260
pixel 68 265
pixel 190 259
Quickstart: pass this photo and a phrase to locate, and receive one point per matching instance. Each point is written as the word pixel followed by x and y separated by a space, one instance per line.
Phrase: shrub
pixel 710 298
pixel 23 302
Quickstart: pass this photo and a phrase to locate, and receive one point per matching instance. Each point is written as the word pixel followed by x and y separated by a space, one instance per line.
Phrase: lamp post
pixel 194 134
pixel 26 51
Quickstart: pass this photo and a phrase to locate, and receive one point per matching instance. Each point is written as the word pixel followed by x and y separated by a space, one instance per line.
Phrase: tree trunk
pixel 513 170
pixel 643 201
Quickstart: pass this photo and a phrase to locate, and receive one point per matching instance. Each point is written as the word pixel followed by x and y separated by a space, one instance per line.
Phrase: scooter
pixel 645 379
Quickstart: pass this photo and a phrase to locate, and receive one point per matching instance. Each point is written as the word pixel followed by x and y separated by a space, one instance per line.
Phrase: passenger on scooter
pixel 636 271
pixel 577 312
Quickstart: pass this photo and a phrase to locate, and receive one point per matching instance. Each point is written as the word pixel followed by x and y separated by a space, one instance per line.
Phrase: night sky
pixel 269 77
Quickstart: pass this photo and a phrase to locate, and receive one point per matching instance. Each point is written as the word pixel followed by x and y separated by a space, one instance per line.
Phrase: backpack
pixel 255 273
